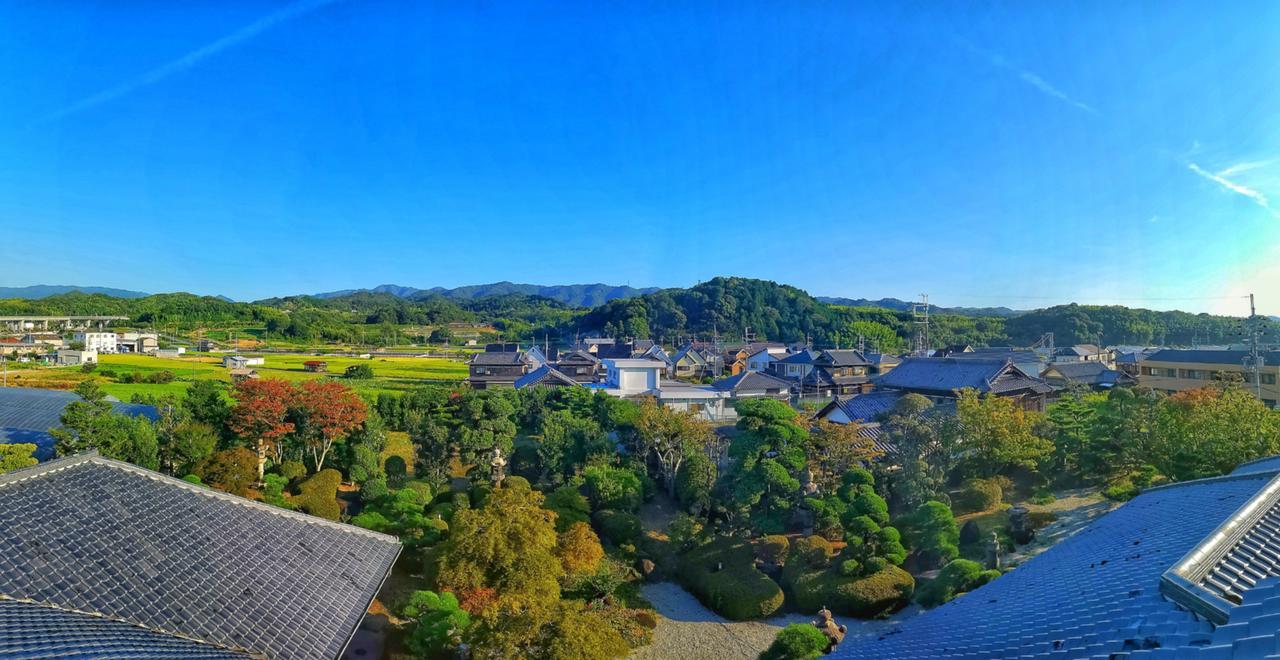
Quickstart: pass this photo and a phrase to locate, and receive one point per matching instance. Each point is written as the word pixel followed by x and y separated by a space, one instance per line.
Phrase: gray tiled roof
pixel 1094 594
pixel 1090 373
pixel 866 407
pixel 751 381
pixel 842 358
pixel 93 535
pixel 496 358
pixel 32 630
pixel 946 375
pixel 543 374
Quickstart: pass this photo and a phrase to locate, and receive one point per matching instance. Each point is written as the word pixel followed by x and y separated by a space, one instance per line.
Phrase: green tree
pixel 769 452
pixel 484 420
pixel 358 372
pixel 438 623
pixel 668 436
pixel 931 533
pixel 926 451
pixel 694 481
pixel 998 434
pixel 613 488
pixel 231 470
pixel 206 401
pixel 187 445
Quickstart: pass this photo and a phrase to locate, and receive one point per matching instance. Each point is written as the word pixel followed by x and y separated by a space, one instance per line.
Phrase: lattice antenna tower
pixel 920 315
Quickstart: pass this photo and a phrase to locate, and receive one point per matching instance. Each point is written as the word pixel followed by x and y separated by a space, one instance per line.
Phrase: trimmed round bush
pixel 977 495
pixel 875 565
pixel 850 568
pixel 318 495
pixel 875 595
pixel 798 641
pixel 954 579
pixel 773 549
pixel 618 527
pixel 723 576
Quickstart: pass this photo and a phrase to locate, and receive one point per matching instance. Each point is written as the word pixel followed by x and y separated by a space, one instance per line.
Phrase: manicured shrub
pixel 875 595
pixel 318 494
pixel 977 495
pixel 292 470
pixel 850 568
pixel 723 576
pixel 773 549
pixel 694 480
pixel 954 579
pixel 798 641
pixel 808 554
pixel 579 549
pixel 930 531
pixel 618 527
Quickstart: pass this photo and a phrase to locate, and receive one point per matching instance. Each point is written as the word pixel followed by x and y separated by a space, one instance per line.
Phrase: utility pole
pixel 1254 360
pixel 920 314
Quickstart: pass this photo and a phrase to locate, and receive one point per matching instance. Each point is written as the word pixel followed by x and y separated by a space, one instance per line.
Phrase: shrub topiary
pixel 773 549
pixel 807 554
pixel 292 470
pixel 723 576
pixel 850 568
pixel 613 488
pixel 976 496
pixel 569 505
pixel 318 494
pixel 798 641
pixel 877 594
pixel 618 527
pixel 955 578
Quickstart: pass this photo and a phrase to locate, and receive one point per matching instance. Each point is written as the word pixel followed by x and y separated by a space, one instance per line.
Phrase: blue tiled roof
pixel 866 407
pixel 33 630
pixel 1097 593
pixel 945 375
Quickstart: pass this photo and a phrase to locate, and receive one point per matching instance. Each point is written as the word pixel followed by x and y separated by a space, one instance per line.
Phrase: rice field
pixel 389 373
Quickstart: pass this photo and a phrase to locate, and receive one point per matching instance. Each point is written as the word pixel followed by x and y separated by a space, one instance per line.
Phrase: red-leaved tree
pixel 326 411
pixel 261 416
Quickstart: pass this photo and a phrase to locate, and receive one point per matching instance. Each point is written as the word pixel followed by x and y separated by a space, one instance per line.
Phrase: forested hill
pixel 724 305
pixel 575 295
pixel 906 306
pixel 727 305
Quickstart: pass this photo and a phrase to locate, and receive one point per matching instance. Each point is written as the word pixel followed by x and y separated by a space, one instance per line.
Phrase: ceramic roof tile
pixel 92 535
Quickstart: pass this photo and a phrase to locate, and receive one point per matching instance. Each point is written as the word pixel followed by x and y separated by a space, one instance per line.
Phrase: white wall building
pixel 67 357
pixel 632 377
pixel 101 342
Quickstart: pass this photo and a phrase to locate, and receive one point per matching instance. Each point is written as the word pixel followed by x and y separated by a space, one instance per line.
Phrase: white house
pixel 242 362
pixel 69 357
pixel 633 377
pixel 100 342
pixel 760 360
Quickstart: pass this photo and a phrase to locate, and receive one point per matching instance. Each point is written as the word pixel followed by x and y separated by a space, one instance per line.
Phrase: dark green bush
pixel 292 470
pixel 954 579
pixel 808 553
pixel 318 494
pixel 773 549
pixel 977 495
pixel 875 595
pixel 723 576
pixel 618 527
pixel 569 505
pixel 798 641
pixel 613 488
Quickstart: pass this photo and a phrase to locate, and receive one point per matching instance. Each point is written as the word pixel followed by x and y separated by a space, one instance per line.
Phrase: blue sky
pixel 1021 154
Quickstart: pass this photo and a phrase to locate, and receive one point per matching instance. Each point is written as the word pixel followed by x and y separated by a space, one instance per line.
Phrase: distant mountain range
pixel 38 291
pixel 906 306
pixel 578 295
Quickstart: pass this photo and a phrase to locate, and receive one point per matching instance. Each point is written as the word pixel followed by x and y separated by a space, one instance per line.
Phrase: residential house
pixel 100 342
pixel 954 349
pixel 242 361
pixel 580 365
pixel 702 400
pixel 151 566
pixel 545 376
pixel 239 374
pixel 137 342
pixel 836 372
pixel 736 356
pixel 1184 570
pixel 1027 360
pixel 492 369
pixel 49 339
pixel 755 384
pixel 1094 375
pixel 68 357
pixel 1130 361
pixel 880 363
pixel 1082 353
pixel 942 378
pixel 592 345
pixel 690 363
pixel 795 366
pixel 860 408
pixel 632 376
pixel 763 359
pixel 1174 370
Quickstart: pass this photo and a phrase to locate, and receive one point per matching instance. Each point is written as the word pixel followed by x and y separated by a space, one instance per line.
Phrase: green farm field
pixel 390 374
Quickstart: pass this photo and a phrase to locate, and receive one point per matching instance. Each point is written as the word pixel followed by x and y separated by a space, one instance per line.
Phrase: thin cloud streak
pixel 1028 77
pixel 192 58
pixel 1221 179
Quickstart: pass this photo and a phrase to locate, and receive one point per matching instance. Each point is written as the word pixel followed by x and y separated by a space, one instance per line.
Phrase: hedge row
pixel 881 593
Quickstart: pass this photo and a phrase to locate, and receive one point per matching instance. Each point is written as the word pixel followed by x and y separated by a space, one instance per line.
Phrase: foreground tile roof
pixel 1127 586
pixel 35 630
pixel 103 541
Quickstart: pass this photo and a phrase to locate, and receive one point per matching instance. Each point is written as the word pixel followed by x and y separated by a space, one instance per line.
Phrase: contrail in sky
pixel 283 15
pixel 1027 76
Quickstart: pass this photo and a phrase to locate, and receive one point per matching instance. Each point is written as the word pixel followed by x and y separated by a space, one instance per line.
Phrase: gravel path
pixel 689 631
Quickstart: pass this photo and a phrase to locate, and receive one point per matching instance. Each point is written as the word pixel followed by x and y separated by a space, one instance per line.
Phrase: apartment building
pixel 101 342
pixel 1174 370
